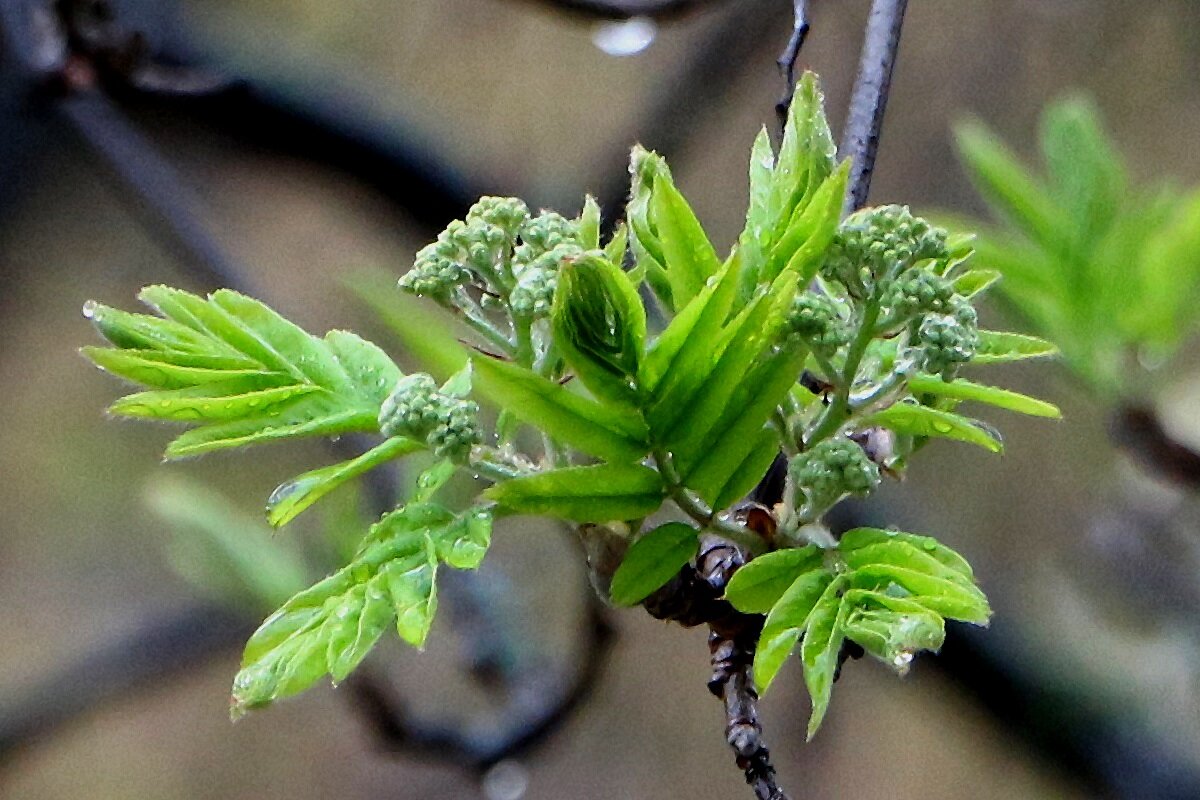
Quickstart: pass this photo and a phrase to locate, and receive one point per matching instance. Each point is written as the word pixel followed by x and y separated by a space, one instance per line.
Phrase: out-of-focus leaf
pixel 653 560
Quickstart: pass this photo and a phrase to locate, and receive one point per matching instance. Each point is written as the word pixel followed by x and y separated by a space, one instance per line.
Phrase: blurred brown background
pixel 1094 571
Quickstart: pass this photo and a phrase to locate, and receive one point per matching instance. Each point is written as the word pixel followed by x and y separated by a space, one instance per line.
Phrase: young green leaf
pixel 758 586
pixel 960 389
pixel 810 231
pixel 737 432
pixel 293 497
pixel 975 282
pixel 823 637
pixel 787 621
pixel 688 255
pixel 596 493
pixel 613 433
pixel 282 383
pixel 948 597
pixel 863 537
pixel 599 323
pixel 430 334
pixel 997 347
pixel 589 224
pixel 653 560
pixel 915 420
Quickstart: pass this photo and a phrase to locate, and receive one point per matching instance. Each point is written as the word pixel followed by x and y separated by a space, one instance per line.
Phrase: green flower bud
pixel 417 409
pixel 947 341
pixel 818 321
pixel 831 470
pixel 412 408
pixel 456 431
pixel 916 292
pixel 542 234
pixel 506 214
pixel 533 296
pixel 877 242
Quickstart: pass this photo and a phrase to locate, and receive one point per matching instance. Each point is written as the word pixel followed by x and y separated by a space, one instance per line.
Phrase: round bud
pixel 818 321
pixel 831 470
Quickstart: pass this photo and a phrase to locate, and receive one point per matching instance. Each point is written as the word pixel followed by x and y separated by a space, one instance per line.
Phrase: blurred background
pixel 366 127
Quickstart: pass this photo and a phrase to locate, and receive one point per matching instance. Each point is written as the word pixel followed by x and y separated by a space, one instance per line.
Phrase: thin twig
pixel 787 59
pixel 860 139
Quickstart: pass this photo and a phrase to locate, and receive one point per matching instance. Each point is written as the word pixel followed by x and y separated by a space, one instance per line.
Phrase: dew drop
pixel 507 780
pixel 90 308
pixel 902 660
pixel 625 37
pixel 943 427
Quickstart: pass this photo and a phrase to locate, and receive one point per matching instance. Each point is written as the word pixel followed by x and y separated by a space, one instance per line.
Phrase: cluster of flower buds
pixel 503 250
pixel 947 341
pixel 417 409
pixel 818 321
pixel 831 470
pixel 879 243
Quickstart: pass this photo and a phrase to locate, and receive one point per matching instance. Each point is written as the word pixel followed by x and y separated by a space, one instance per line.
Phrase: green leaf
pixel 412 585
pixel 787 621
pixel 614 251
pixel 464 544
pixel 1088 177
pixel 331 626
pixel 653 560
pixel 596 493
pixel 737 433
pixel 823 637
pixel 227 555
pixel 589 224
pixel 916 420
pixel 279 381
pixel 960 389
pixel 946 596
pixel 1010 189
pixel 688 255
pixel 609 432
pixel 748 335
pixel 975 282
pixel 753 467
pixel 293 497
pixel 686 344
pixel 756 235
pixel 863 537
pixel 806 155
pixel 430 334
pixel 811 230
pixel 891 629
pixel 997 347
pixel 758 586
pixel 599 324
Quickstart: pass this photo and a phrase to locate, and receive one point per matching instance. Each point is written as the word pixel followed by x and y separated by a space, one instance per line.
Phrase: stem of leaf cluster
pixel 474 316
pixel 839 410
pixel 699 511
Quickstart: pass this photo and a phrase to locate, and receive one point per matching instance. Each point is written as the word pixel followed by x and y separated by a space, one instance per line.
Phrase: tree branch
pixel 733 683
pixel 860 139
pixel 1140 434
pixel 787 59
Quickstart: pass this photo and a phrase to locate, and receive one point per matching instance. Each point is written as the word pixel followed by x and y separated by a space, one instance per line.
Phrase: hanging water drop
pixel 626 37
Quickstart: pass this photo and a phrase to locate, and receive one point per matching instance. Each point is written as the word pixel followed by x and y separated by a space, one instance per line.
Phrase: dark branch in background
pixel 158 650
pixel 860 139
pixel 1141 435
pixel 627 9
pixel 159 195
pixel 539 710
pixel 789 56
